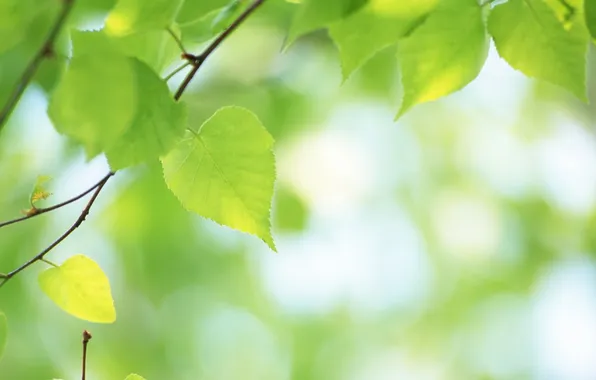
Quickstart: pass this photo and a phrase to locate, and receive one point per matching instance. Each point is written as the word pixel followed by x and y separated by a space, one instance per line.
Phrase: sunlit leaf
pixel 39 191
pixel 156 48
pixel 225 172
pixel 134 376
pixel 133 16
pixel 531 39
pixel 80 288
pixel 195 10
pixel 158 124
pixel 3 333
pixel 316 14
pixel 444 53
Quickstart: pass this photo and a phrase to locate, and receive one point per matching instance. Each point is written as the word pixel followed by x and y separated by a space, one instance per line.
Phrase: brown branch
pixel 45 51
pixel 86 338
pixel 76 225
pixel 43 210
pixel 197 61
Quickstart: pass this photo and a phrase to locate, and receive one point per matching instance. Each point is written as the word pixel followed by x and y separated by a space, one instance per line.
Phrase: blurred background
pixel 456 243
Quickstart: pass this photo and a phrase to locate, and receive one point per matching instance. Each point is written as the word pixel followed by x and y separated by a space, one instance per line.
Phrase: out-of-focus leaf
pixel 134 376
pixel 3 333
pixel 531 39
pixel 290 213
pixel 96 100
pixel 376 26
pixel 590 14
pixel 80 288
pixel 133 16
pixel 316 14
pixel 15 17
pixel 226 16
pixel 225 172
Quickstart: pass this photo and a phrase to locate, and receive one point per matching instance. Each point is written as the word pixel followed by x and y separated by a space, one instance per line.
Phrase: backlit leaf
pixel 531 39
pixel 444 53
pixel 80 288
pixel 133 16
pixel 316 14
pixel 225 172
pixel 156 48
pixel 374 27
pixel 134 376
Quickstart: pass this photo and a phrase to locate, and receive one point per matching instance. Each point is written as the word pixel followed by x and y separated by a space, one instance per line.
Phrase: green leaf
pixel 96 100
pixel 80 288
pixel 194 10
pixel 316 14
pixel 444 53
pixel 134 376
pixel 133 16
pixel 3 333
pixel 147 129
pixel 531 39
pixel 590 15
pixel 373 28
pixel 156 48
pixel 226 171
pixel 158 125
pixel 39 191
pixel 15 17
pixel 226 16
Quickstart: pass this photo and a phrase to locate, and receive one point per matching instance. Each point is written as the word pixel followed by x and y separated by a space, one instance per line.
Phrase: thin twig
pixel 176 71
pixel 76 225
pixel 44 51
pixel 43 210
pixel 86 338
pixel 198 61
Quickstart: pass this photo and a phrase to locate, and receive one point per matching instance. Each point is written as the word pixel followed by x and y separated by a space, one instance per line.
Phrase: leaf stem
pixel 72 228
pixel 49 262
pixel 198 60
pixel 46 50
pixel 43 210
pixel 176 71
pixel 177 39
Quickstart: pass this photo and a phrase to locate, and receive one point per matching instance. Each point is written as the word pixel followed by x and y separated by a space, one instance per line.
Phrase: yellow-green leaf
pixel 444 53
pixel 316 14
pixel 226 171
pixel 374 27
pixel 80 288
pixel 531 39
pixel 3 333
pixel 133 16
pixel 39 191
pixel 134 376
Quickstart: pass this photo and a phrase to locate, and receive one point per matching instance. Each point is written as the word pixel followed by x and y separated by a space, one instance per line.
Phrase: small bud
pixel 86 336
